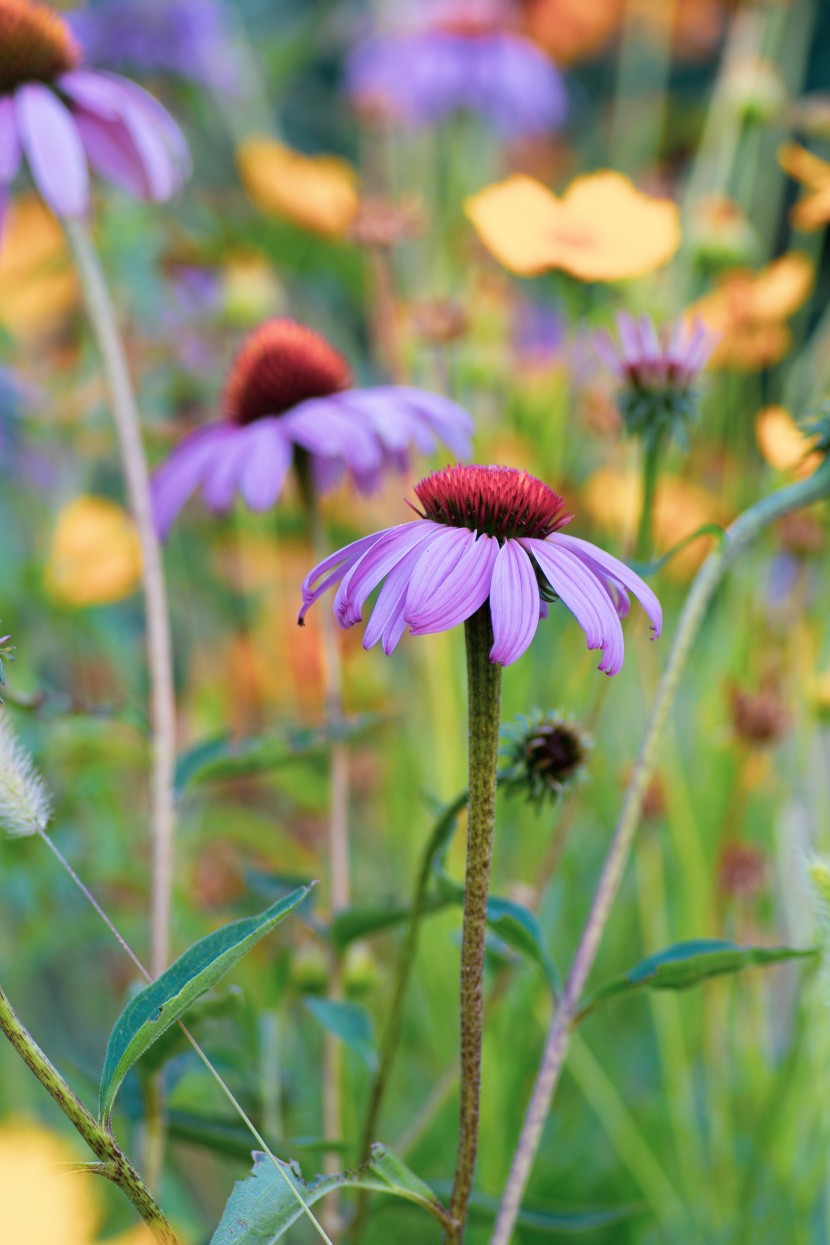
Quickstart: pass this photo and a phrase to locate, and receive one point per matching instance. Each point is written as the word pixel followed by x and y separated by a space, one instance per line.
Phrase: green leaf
pixel 228 1136
pixel 348 1021
pixel 686 964
pixel 262 1208
pixel 352 924
pixel 519 928
pixel 151 1012
pixel 547 1221
pixel 224 757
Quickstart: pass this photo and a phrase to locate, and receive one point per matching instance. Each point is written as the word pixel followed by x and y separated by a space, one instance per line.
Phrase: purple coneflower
pixel 649 359
pixel 486 534
pixel 185 37
pixel 64 118
pixel 290 391
pixel 463 57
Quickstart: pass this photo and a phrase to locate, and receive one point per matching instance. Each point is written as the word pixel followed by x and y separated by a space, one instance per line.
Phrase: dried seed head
pixel 741 870
pixel 25 806
pixel 758 717
pixel 36 45
pixel 380 224
pixel 440 321
pixel 281 364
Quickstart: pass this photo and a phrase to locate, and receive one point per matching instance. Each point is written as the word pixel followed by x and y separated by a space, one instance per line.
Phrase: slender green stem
pixel 104 321
pixel 406 963
pixel 735 540
pixel 484 703
pixel 652 452
pixel 116 1166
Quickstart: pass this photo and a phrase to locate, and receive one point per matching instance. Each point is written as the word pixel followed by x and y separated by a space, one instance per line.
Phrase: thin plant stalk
pixel 484 703
pixel 226 1090
pixel 394 1021
pixel 735 540
pixel 652 451
pixel 104 322
pixel 337 840
pixel 113 1163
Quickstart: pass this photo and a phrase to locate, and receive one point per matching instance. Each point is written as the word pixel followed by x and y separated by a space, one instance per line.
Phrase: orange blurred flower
pixel 38 285
pixel 42 1200
pixel 95 557
pixel 782 443
pixel 749 311
pixel 317 192
pixel 571 30
pixel 613 499
pixel 601 228
pixel 813 208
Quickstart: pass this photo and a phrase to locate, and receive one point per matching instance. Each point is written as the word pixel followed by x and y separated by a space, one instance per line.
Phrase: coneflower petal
pixel 514 603
pixel 54 149
pixel 463 590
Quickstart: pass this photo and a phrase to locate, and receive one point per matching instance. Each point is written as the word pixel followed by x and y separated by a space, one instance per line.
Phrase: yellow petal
pixel 317 192
pixel 802 165
pixel 41 1203
pixel 782 443
pixel 782 287
pixel 95 557
pixel 37 282
pixel 812 211
pixel 515 220
pixel 602 229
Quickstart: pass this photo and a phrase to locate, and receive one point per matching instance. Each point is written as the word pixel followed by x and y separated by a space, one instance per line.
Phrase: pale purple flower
pixel 289 393
pixel 461 58
pixel 64 118
pixel 189 38
pixel 486 535
pixel 650 358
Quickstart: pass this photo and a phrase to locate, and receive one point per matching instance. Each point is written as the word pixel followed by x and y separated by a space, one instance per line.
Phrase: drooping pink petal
pixel 375 564
pixel 514 603
pixel 435 563
pixel 462 590
pixel 585 597
pixel 320 426
pixel 603 563
pixel 125 88
pixel 53 148
pixel 183 472
pixel 269 460
pixel 222 478
pixel 334 567
pixel 387 622
pixel 9 141
pixel 112 153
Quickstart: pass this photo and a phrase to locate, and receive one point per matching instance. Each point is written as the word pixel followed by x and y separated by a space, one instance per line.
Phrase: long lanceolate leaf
pixel 262 1208
pixel 155 1009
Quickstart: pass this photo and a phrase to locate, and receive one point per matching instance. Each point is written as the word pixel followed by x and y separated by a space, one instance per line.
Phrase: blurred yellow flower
pixel 749 311
pixel 601 228
pixel 95 556
pixel 42 1201
pixel 813 208
pixel 38 285
pixel 251 290
pixel 782 443
pixel 317 192
pixel 613 499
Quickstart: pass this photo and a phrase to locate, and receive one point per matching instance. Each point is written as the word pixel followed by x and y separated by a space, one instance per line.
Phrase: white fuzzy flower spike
pixel 25 804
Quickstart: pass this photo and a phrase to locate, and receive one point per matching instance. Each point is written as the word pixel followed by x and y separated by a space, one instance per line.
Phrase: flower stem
pixel 735 540
pixel 115 1165
pixel 406 963
pixel 159 648
pixel 484 702
pixel 651 473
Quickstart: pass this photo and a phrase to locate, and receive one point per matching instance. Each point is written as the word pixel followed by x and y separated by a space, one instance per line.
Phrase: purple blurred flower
pixel 487 534
pixel 539 334
pixel 463 58
pixel 290 390
pixel 18 458
pixel 643 357
pixel 185 37
pixel 64 118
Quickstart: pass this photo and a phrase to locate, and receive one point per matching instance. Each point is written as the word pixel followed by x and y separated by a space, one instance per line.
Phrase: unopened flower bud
pixel 546 754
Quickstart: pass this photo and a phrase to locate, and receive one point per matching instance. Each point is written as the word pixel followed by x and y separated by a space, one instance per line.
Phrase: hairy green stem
pixel 104 322
pixel 484 703
pixel 735 540
pixel 115 1164
pixel 406 963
